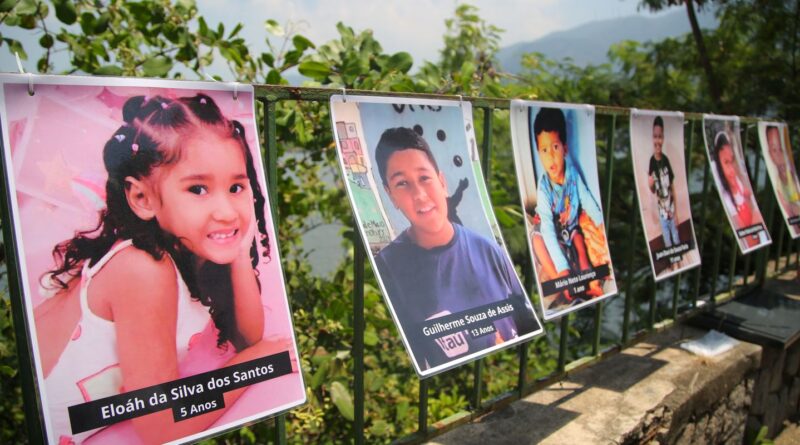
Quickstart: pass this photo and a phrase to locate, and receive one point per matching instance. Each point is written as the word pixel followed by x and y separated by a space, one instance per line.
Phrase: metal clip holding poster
pixel 235 90
pixel 31 91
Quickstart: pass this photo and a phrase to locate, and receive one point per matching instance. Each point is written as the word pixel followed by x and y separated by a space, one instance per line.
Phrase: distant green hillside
pixel 588 44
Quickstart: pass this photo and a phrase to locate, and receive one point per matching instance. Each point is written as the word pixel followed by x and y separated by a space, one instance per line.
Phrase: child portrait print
pixel 554 150
pixel 150 277
pixel 777 152
pixel 724 150
pixel 659 168
pixel 412 173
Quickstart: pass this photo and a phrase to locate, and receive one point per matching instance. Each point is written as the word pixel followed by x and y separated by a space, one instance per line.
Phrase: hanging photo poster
pixel 554 150
pixel 724 149
pixel 777 152
pixel 660 172
pixel 150 276
pixel 413 175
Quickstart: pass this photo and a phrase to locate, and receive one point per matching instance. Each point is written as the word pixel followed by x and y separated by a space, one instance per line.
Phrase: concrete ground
pixel 790 434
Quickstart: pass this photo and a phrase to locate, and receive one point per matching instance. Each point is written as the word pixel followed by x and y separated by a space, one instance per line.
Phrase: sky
pixel 415 26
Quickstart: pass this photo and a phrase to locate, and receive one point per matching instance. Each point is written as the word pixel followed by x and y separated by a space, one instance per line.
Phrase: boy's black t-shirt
pixel 663 182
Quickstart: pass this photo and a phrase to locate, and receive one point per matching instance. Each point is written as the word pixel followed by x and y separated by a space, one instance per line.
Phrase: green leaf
pixel 494 89
pixel 380 428
pixel 7 5
pixel 66 12
pixel 109 70
pixel 341 398
pixel 26 7
pixel 302 43
pixel 269 59
pixel 315 70
pixel 370 338
pixel 46 41
pixel 274 28
pixel 202 28
pixel 291 58
pixel 15 47
pixel 274 77
pixel 467 70
pixel 235 31
pixel 101 24
pixel 157 66
pixel 319 376
pixel 401 61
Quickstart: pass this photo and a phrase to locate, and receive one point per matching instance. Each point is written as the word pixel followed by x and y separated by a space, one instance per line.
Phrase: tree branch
pixel 713 86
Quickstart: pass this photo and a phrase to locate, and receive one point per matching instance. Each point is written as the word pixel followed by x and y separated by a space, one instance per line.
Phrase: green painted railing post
pixel 690 147
pixel 779 246
pixel 676 288
pixel 359 258
pixel 522 376
pixel 271 140
pixel 653 305
pixel 756 173
pixel 486 156
pixel 712 294
pixel 529 282
pixel 732 269
pixel 598 309
pixel 701 234
pixel 477 384
pixel 626 313
pixel 422 418
pixel 486 165
pixel 562 343
pixel 271 161
pixel 763 257
pixel 280 430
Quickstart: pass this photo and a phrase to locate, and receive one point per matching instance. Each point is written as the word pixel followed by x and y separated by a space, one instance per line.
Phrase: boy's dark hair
pixel 550 119
pixel 771 128
pixel 398 139
pixel 151 136
pixel 658 122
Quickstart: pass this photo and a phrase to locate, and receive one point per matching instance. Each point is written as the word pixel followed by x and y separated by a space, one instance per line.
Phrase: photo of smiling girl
pixel 171 274
pixel 724 149
pixel 780 166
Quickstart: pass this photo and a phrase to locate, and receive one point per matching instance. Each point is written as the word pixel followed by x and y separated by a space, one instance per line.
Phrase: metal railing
pixel 688 284
pixel 270 95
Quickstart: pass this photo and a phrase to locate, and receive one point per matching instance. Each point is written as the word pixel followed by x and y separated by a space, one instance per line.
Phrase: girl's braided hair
pixel 152 137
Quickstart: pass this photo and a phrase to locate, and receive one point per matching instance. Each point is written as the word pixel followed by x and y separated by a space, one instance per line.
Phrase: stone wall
pixel 777 389
pixel 719 422
pixel 652 392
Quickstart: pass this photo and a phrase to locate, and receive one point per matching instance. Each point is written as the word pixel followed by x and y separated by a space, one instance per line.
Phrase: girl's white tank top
pixel 88 369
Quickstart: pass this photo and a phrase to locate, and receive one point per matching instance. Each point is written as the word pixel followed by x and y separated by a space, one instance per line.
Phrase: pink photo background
pixel 56 142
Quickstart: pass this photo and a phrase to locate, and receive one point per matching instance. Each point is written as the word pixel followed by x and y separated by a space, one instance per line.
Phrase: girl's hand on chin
pixel 248 236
